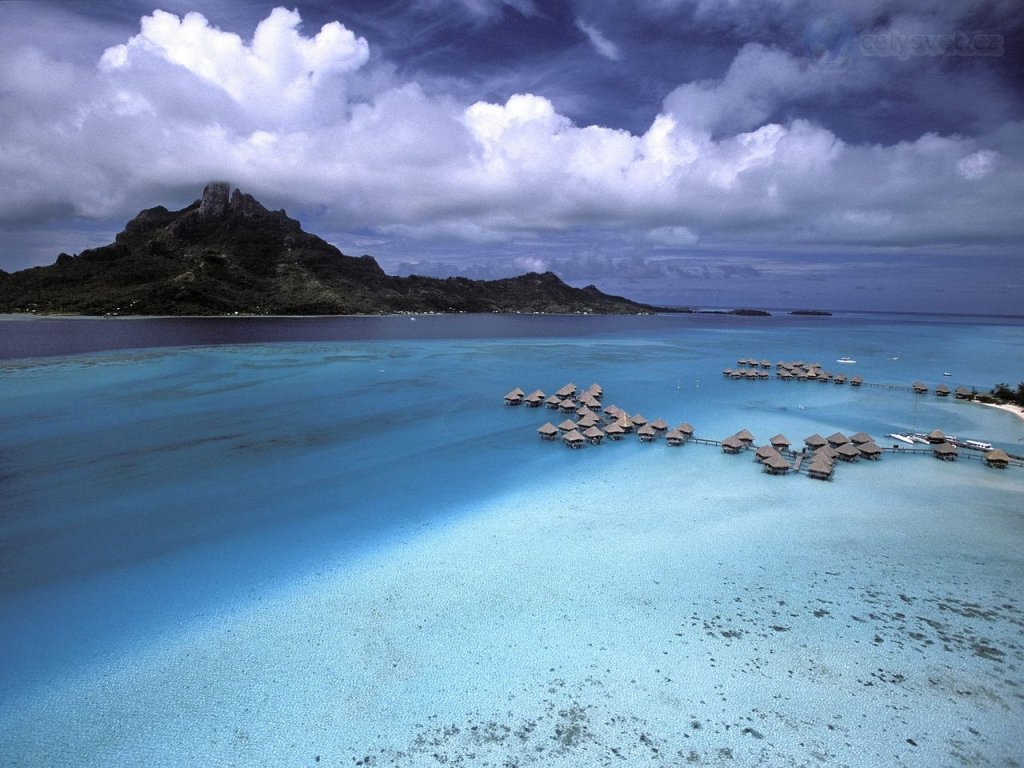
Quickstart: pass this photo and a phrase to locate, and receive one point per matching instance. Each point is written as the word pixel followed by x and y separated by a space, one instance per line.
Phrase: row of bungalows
pixel 754 363
pixel 801 371
pixel 961 393
pixel 751 374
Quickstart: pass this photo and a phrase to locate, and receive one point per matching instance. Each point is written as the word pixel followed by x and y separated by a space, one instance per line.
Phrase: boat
pixel 946 373
pixel 978 445
pixel 846 360
pixel 901 437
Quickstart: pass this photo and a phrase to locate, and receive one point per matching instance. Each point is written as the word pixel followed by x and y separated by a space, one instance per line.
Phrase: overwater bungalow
pixel 660 425
pixel 870 451
pixel 614 431
pixel 553 402
pixel 569 390
pixel 586 422
pixel 589 401
pixel 675 437
pixel 836 439
pixel 935 437
pixel 573 439
pixel 594 435
pixel 840 378
pixel 515 397
pixel 612 411
pixel 732 444
pixel 548 431
pixel 825 452
pixel 686 429
pixel 856 381
pixel 727 371
pixel 568 405
pixel 945 451
pixel 776 465
pixel 585 411
pixel 860 438
pixel 567 426
pixel 764 451
pixel 962 393
pixel 766 364
pixel 594 390
pixel 785 375
pixel 779 442
pixel 624 422
pixel 919 387
pixel 997 458
pixel 745 436
pixel 534 399
pixel 646 433
pixel 638 420
pixel 820 469
pixel 815 441
pixel 848 452
pixel 942 391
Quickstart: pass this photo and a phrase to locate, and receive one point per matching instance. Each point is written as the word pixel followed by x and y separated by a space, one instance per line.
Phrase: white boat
pixel 901 437
pixel 978 445
pixel 946 373
pixel 846 360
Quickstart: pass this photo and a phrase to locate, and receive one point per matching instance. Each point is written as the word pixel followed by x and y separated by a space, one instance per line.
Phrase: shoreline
pixel 1017 410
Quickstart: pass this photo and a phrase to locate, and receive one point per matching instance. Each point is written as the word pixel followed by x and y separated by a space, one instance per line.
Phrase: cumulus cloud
pixel 277 74
pixel 183 102
pixel 601 44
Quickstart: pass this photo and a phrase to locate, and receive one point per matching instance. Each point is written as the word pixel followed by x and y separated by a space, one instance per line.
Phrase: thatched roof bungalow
pixel 646 433
pixel 856 381
pixel 848 452
pixel 936 437
pixel 624 422
pixel 515 397
pixel 548 431
pixel 827 453
pixel 870 451
pixel 675 437
pixel 553 402
pixel 573 439
pixel 836 439
pixel 732 444
pixel 659 425
pixel 745 436
pixel 779 442
pixel 942 391
pixel 815 441
pixel 945 451
pixel 567 426
pixel 919 387
pixel 776 465
pixel 594 390
pixel 997 458
pixel 820 469
pixel 686 429
pixel 638 420
pixel 764 451
pixel 568 405
pixel 594 435
pixel 569 390
pixel 586 422
pixel 962 393
pixel 614 431
pixel 860 438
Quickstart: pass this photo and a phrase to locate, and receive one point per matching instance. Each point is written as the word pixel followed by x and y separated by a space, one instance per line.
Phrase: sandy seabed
pixel 647 613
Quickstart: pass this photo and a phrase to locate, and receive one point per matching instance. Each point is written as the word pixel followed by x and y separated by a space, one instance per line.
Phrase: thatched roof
pixel 732 443
pixel 848 450
pixel 919 386
pixel 647 430
pixel 613 429
pixel 588 421
pixel 869 449
pixel 779 439
pixel 825 452
pixel 764 451
pixel 745 436
pixel 837 439
pixel 776 462
pixel 567 425
pixel 815 441
pixel 685 428
pixel 997 456
pixel 515 394
pixel 548 429
pixel 573 437
pixel 942 389
pixel 674 435
pixel 592 433
pixel 962 391
pixel 568 404
pixel 638 420
pixel 624 421
pixel 856 380
pixel 659 424
pixel 567 391
pixel 554 400
pixel 936 435
pixel 860 438
pixel 820 467
pixel 945 449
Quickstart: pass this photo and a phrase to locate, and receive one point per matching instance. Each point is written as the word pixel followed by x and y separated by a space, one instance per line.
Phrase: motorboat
pixel 846 360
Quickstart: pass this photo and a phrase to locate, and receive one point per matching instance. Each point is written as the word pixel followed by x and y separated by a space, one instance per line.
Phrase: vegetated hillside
pixel 226 253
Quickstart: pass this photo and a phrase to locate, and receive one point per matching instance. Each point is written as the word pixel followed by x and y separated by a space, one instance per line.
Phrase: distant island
pixel 227 254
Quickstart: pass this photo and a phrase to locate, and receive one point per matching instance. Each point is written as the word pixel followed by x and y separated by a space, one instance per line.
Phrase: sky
pixel 824 154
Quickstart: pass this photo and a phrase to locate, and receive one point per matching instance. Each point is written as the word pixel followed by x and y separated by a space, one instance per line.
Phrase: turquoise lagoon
pixel 327 542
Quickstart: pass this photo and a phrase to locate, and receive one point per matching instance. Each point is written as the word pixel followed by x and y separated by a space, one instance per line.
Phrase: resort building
pixel 945 451
pixel 997 458
pixel 548 431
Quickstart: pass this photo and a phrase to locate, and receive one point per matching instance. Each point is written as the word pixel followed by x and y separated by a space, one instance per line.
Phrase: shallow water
pixel 349 549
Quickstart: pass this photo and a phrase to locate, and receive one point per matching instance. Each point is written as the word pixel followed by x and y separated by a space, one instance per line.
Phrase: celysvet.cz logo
pixel 906 45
